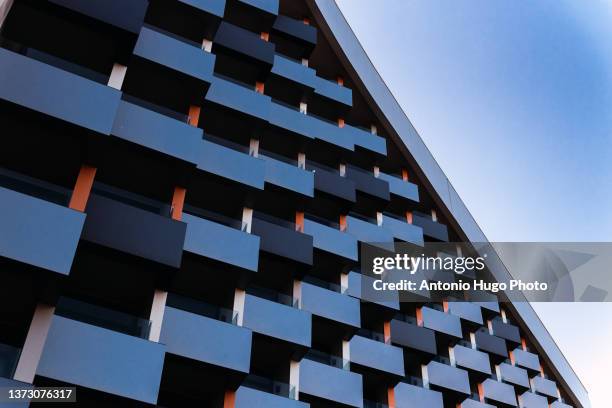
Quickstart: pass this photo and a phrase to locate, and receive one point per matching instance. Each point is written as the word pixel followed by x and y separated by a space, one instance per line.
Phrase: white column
pixel 34 344
pixel 302 161
pixel 373 129
pixel 239 300
pixel 379 218
pixel 305 62
pixel 247 219
pixel 303 108
pixel 297 292
pixel 425 376
pixel 346 350
pixel 344 280
pixel 434 216
pixel 117 76
pixel 157 314
pixel 342 169
pixel 294 378
pixel 254 147
pixel 207 45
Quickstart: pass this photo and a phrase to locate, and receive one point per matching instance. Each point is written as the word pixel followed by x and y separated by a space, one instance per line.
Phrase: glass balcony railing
pixel 202 308
pixel 324 284
pixel 270 386
pixel 9 357
pixel 103 317
pixel 328 359
pixel 406 318
pixel 181 117
pixel 216 217
pixel 412 380
pixel 373 335
pixel 34 187
pixel 273 296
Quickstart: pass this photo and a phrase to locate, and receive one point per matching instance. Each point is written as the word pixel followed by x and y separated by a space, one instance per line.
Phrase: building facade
pixel 185 186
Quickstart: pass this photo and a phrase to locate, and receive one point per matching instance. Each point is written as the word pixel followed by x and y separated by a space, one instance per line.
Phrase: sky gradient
pixel 514 100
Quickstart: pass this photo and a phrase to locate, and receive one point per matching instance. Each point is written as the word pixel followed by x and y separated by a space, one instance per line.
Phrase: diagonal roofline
pixel 345 44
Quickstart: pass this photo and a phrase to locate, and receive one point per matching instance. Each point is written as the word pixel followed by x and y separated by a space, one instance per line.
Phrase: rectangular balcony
pixel 280 239
pixel 414 396
pixel 495 346
pixel 290 120
pixel 472 360
pixel 212 7
pixel 248 397
pixel 179 55
pixel 326 303
pixel 403 231
pixel 544 386
pixel 91 104
pixel 361 287
pixel 498 393
pixel 288 176
pixel 466 311
pixel 366 140
pixel 102 359
pixel 294 38
pixel 331 240
pixel 446 378
pixel 133 230
pixel 38 232
pixel 277 320
pixel 231 164
pixel 506 331
pixel 245 46
pixel 330 91
pixel 527 360
pixel 531 400
pixel 157 132
pixel 335 384
pixel 401 188
pixel 431 228
pixel 367 232
pixel 329 132
pixel 255 15
pixel 239 98
pixel 221 242
pixel 377 356
pixel 330 182
pixel 112 12
pixel 441 322
pixel 287 71
pixel 513 375
pixel 408 334
pixel 368 184
pixel 206 339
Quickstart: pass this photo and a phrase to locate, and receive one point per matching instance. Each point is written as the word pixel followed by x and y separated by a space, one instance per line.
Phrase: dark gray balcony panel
pixel 367 140
pixel 331 90
pixel 431 228
pixel 231 164
pixel 289 176
pixel 135 231
pixel 403 231
pixel 412 336
pixel 559 404
pixel 207 340
pixel 330 305
pixel 214 7
pixel 506 331
pixel 448 377
pixel 498 393
pixel 268 6
pixel 293 71
pixel 298 39
pixel 531 400
pixel 8 383
pixel 238 41
pixel 291 119
pixel 38 232
pixel 57 93
pixel 331 133
pixel 157 132
pixel 470 403
pixel 441 322
pixel 526 359
pixel 128 15
pixel 401 188
pixel 331 383
pixel 175 54
pixel 367 232
pixel 411 396
pixel 492 306
pixel 239 98
pixel 367 183
pixel 491 344
pixel 544 386
pixel 513 375
pixel 221 243
pixel 334 184
pixel 377 355
pixel 360 286
pixel 102 359
pixel 466 311
pixel 471 359
pixel 283 241
pixel 277 320
pixel 251 398
pixel 331 240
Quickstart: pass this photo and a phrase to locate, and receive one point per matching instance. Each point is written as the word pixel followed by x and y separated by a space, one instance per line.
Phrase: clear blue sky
pixel 514 99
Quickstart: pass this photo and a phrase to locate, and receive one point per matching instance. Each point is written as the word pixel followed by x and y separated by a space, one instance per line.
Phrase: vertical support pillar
pixel 260 87
pixel 344 282
pixel 207 45
pixel 391 397
pixel 409 217
pixel 299 221
pixel 302 161
pixel 373 129
pixel 341 122
pixel 346 350
pixel 305 62
pixel 376 171
pixel 303 108
pixel 419 316
pixel 194 115
pixel 387 331
pixel 247 219
pixel 379 218
pixel 239 300
pixel 265 36
pixel 294 379
pixel 34 344
pixel 117 76
pixel 178 201
pixel 340 80
pixel 82 188
pixel 434 215
pixel 425 376
pixel 254 147
pixel 157 314
pixel 297 293
pixel 405 175
pixel 342 169
pixel 229 399
pixel 342 222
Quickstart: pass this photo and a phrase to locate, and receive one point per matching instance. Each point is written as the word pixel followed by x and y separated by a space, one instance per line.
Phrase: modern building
pixel 184 187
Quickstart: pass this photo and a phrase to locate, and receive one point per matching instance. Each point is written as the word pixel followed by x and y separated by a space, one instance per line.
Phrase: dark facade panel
pixel 471 359
pixel 431 228
pixel 377 355
pixel 368 184
pixel 498 393
pixel 513 375
pixel 449 378
pixel 412 336
pixel 333 184
pixel 331 305
pixel 441 322
pixel 289 176
pixel 401 188
pixel 125 14
pixel 294 37
pixel 491 344
pixel 283 241
pixel 231 164
pixel 403 231
pixel 331 240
